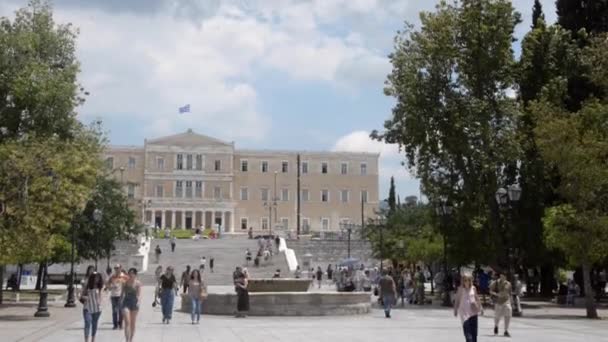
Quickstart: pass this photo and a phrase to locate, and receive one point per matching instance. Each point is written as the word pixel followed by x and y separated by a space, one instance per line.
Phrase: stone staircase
pixel 228 253
pixel 332 251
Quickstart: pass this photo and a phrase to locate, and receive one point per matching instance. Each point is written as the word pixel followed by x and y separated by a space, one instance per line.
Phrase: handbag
pixel 203 292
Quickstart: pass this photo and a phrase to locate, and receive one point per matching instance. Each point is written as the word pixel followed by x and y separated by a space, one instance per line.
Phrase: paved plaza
pixel 409 324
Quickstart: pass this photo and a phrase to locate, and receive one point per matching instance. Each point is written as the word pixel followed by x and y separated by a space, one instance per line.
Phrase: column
pixel 183 219
pixel 232 219
pixel 205 223
pixel 172 219
pixel 224 225
pixel 162 219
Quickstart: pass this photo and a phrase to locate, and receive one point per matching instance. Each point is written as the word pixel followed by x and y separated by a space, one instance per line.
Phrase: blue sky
pixel 281 74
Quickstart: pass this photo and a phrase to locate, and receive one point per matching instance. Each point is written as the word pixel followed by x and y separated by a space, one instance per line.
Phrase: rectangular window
pixel 264 223
pixel 189 162
pixel 160 163
pixel 244 166
pixel 304 167
pixel 363 169
pixel 264 194
pixel 217 165
pixel 244 223
pixel 217 192
pixel 305 197
pixel 285 222
pixel 199 189
pixel 131 164
pixel 160 191
pixel 325 224
pixel 344 168
pixel 285 167
pixel 284 194
pixel 188 189
pixel 179 189
pixel 305 224
pixel 344 196
pixel 180 162
pixel 131 190
pixel 110 162
pixel 244 194
pixel 324 168
pixel 199 161
pixel 324 195
pixel 264 166
pixel 364 196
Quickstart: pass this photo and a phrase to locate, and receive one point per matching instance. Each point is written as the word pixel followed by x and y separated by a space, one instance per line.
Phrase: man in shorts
pixel 500 290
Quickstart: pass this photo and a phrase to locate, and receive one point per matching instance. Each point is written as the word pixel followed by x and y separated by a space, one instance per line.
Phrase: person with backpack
pixel 468 306
pixel 388 292
pixel 500 290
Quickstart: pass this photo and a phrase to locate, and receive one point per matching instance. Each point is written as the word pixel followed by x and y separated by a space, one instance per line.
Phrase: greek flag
pixel 184 109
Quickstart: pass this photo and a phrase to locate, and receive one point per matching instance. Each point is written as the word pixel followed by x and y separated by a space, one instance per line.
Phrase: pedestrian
pixel 319 276
pixel 131 296
pixel 241 283
pixel 197 293
pixel 185 279
pixel 211 263
pixel 157 253
pixel 277 241
pixel 91 305
pixel 247 256
pixel 573 291
pixel 250 233
pixel 388 292
pixel 115 285
pixel 517 293
pixel 173 243
pixel 468 306
pixel 330 273
pixel 168 290
pixel 419 283
pixel 500 290
pixel 203 262
pixel 298 272
pixel 277 273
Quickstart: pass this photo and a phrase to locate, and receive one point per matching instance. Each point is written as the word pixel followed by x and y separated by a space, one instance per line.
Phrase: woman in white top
pixel 91 301
pixel 468 306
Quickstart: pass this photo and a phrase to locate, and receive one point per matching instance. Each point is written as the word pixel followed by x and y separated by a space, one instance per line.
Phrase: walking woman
pixel 242 304
pixel 197 291
pixel 91 301
pixel 131 296
pixel 168 290
pixel 468 306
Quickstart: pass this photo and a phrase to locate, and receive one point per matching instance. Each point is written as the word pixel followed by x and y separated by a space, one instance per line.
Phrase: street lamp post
pixel 444 210
pixel 43 309
pixel 70 302
pixel 348 228
pixel 506 199
pixel 97 215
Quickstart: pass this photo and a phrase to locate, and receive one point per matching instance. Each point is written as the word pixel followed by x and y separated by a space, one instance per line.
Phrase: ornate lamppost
pixel 444 211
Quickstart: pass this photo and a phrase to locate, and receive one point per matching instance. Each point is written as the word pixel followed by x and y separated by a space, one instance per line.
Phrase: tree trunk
pixel 589 300
pixel 1 282
pixel 39 278
pixel 19 276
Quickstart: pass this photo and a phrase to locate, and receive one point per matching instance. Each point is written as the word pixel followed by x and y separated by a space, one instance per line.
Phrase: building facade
pixel 190 180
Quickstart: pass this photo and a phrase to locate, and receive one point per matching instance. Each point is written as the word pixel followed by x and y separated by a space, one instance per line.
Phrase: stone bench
pixel 287 304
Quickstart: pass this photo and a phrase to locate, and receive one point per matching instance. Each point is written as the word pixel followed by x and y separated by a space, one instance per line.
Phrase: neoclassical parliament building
pixel 190 180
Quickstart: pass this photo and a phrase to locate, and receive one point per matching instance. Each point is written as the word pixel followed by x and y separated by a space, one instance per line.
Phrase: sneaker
pixel 507 334
pixel 193 323
pixel 495 330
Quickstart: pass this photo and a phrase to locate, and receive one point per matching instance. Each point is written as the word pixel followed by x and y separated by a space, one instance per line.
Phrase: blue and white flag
pixel 184 109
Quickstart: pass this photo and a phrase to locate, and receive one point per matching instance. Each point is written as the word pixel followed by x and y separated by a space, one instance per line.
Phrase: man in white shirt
pixel 115 284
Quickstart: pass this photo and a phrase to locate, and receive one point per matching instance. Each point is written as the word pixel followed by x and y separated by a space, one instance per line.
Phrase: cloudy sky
pixel 282 74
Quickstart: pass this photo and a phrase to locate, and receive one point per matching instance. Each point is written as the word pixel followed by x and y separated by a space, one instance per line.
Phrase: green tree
pixel 576 145
pixel 590 15
pixel 38 87
pixel 537 13
pixel 96 240
pixel 392 201
pixel 454 117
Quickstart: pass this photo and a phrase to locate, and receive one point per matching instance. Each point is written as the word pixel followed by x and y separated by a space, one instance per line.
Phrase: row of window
pixel 130 163
pixel 344 195
pixel 304 167
pixel 304 223
pixel 194 189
